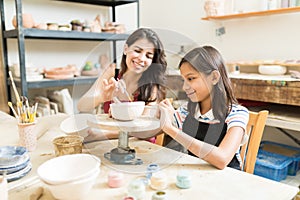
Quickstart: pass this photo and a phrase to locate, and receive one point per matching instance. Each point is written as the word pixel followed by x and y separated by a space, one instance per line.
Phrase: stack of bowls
pixel 70 176
pixel 14 162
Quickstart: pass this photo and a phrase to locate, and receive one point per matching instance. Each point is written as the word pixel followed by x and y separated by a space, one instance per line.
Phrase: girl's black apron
pixel 210 133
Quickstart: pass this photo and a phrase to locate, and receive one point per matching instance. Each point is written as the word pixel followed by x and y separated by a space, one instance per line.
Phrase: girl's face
pixel 139 55
pixel 196 85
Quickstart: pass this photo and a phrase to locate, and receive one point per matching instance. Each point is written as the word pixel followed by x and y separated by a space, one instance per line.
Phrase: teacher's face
pixel 139 55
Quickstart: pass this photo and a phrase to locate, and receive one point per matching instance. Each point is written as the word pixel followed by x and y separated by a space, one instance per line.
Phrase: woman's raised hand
pixel 108 88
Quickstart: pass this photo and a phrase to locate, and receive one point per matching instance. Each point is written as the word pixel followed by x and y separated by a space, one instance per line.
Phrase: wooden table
pixel 207 181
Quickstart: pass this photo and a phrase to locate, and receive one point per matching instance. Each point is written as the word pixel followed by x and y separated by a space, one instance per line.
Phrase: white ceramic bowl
pixel 126 111
pixel 67 168
pixel 76 124
pixel 74 190
pixel 272 69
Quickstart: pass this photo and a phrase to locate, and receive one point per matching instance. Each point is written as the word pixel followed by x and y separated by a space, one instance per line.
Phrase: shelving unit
pixel 22 34
pixel 254 14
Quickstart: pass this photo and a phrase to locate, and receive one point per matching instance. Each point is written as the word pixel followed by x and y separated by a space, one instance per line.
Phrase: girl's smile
pixel 195 84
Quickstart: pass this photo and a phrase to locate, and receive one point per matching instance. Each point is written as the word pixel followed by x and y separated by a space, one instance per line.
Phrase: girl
pixel 143 68
pixel 214 124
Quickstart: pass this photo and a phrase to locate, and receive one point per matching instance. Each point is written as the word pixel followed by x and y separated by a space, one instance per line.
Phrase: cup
pixel 27 135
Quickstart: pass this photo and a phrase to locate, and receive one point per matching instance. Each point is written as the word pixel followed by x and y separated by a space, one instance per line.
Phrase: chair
pixel 160 139
pixel 255 129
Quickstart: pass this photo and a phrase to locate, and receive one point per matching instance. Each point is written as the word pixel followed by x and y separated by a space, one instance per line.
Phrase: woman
pixel 214 123
pixel 143 68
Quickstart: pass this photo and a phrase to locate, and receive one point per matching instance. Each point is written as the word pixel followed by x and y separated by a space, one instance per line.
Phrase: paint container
pixel 152 168
pixel 183 179
pixel 158 181
pixel 137 189
pixel 160 195
pixel 115 179
pixel 128 198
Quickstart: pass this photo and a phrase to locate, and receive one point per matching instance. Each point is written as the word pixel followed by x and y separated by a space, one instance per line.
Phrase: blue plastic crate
pixel 271 166
pixel 285 150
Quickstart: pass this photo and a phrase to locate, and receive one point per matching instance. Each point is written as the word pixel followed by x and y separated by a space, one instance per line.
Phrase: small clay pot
pixel 27 18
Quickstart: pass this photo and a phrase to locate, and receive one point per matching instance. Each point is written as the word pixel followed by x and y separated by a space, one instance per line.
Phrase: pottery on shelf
pixel 27 18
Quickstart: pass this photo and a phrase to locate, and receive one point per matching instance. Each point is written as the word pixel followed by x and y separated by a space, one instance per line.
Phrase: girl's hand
pixel 166 115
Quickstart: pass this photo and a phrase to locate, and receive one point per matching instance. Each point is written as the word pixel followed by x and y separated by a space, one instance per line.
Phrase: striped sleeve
pixel 238 116
pixel 180 115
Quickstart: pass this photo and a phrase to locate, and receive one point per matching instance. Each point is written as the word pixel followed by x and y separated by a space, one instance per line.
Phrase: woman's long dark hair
pixel 207 59
pixel 155 74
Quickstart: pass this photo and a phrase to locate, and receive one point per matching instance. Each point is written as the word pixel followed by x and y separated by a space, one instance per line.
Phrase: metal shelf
pixel 56 83
pixel 103 2
pixel 21 34
pixel 64 35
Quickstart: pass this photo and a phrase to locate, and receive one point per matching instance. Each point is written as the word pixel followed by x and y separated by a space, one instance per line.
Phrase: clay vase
pixel 28 21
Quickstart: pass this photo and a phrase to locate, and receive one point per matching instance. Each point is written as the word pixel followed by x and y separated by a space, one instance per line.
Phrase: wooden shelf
pixel 254 14
pixel 256 64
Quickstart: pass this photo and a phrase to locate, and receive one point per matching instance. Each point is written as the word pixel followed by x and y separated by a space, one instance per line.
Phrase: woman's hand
pixel 108 88
pixel 166 115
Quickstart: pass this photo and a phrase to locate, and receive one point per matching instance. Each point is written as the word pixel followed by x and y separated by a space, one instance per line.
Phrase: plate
pixel 142 123
pixel 76 124
pixel 14 169
pixel 19 174
pixel 18 166
pixel 11 155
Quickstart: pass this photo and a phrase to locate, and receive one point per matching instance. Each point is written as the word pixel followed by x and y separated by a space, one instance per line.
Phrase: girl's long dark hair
pixel 206 59
pixel 155 74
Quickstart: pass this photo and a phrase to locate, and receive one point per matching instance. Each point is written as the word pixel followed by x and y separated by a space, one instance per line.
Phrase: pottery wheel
pixel 123 154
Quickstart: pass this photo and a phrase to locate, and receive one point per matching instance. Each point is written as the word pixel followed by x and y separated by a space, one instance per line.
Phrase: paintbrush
pixel 14 87
pixel 122 85
pixel 13 110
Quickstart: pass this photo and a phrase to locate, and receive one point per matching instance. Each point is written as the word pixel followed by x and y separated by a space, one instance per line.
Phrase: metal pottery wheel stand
pixel 123 154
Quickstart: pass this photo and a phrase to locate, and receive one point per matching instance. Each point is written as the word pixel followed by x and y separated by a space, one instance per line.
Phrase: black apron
pixel 210 133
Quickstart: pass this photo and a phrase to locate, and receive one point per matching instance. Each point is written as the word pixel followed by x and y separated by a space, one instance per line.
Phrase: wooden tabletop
pixel 207 181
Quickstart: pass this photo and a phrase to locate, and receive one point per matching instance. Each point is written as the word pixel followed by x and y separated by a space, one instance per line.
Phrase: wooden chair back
pixel 160 139
pixel 255 129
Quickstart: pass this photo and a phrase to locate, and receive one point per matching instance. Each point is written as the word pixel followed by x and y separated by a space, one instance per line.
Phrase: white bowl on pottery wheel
pixel 126 111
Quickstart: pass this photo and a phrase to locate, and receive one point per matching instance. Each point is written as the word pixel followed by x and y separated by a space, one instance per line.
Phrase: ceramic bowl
pixel 70 144
pixel 68 168
pixel 76 124
pixel 75 189
pixel 272 69
pixel 126 111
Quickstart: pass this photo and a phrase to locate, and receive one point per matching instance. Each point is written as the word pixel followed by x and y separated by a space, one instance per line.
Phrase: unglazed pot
pixel 28 21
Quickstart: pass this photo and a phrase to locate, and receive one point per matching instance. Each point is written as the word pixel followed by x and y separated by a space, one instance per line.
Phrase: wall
pixel 256 38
